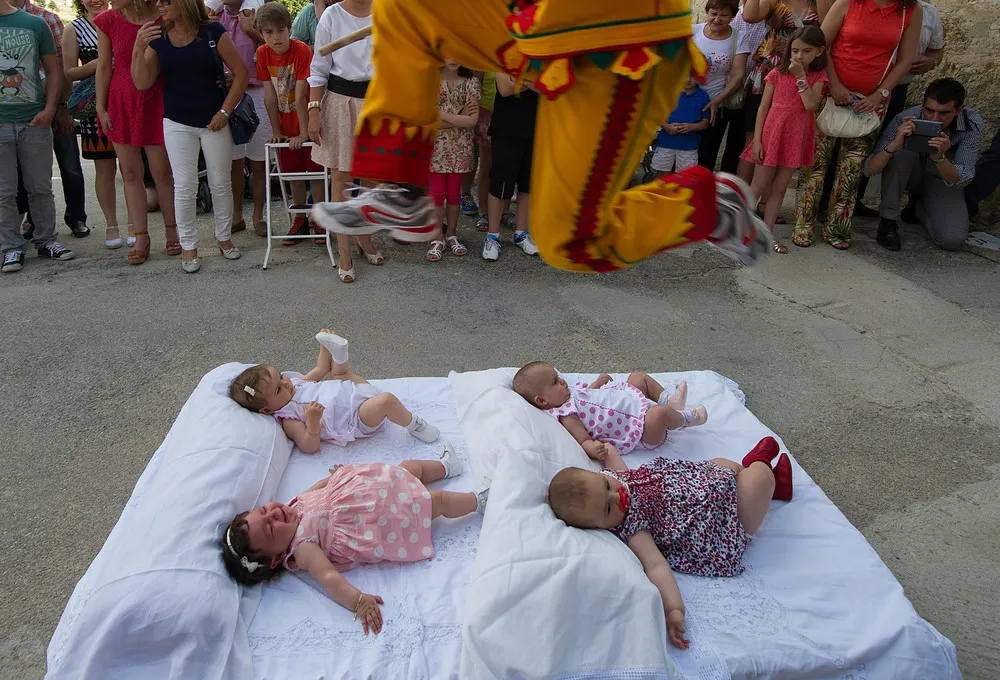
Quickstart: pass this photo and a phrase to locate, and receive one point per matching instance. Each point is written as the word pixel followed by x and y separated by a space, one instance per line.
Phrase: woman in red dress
pixel 133 120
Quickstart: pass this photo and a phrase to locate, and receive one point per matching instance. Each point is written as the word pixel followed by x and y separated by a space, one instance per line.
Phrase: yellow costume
pixel 610 72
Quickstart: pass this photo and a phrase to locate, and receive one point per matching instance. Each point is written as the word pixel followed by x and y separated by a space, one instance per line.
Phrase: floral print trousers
pixel 843 195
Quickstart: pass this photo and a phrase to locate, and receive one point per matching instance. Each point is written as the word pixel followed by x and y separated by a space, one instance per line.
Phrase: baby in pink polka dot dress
pixel 360 514
pixel 623 414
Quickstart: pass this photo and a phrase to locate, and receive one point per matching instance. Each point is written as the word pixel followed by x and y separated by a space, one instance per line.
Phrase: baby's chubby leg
pixel 661 418
pixel 387 405
pixel 457 504
pixel 447 465
pixel 754 489
pixel 646 384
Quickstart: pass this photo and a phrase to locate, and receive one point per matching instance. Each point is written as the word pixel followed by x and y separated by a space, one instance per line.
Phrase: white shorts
pixel 665 160
pixel 254 149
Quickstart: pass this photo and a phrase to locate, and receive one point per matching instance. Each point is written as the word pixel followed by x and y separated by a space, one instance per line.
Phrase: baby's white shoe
pixel 481 498
pixel 422 430
pixel 336 345
pixel 453 466
pixel 694 416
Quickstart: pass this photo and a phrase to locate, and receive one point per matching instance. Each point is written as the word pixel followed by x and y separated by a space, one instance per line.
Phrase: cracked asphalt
pixel 878 369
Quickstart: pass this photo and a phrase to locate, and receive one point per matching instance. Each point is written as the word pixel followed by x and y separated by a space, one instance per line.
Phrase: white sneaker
pixel 527 244
pixel 336 345
pixel 368 211
pixel 453 466
pixel 491 249
pixel 422 430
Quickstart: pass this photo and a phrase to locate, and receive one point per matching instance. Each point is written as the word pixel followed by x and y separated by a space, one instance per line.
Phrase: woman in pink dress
pixel 133 121
pixel 785 131
pixel 360 514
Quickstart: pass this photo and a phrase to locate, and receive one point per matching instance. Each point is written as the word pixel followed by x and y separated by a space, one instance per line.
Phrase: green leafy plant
pixel 295 5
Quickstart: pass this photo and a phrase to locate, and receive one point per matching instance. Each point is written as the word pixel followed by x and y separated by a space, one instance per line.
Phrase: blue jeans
pixel 67 154
pixel 32 147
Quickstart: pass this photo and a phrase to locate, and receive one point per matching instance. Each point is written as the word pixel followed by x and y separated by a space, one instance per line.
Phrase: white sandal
pixel 375 258
pixel 436 251
pixel 346 275
pixel 456 246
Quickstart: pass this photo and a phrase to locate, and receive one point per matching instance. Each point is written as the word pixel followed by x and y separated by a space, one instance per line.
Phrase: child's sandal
pixel 436 251
pixel 456 246
pixel 483 223
pixel 779 247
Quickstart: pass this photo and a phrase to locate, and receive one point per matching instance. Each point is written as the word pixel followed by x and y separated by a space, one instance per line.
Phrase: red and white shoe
pixel 384 208
pixel 739 233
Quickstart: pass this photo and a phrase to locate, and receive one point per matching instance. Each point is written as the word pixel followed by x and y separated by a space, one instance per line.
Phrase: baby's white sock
pixel 336 345
pixel 453 466
pixel 422 430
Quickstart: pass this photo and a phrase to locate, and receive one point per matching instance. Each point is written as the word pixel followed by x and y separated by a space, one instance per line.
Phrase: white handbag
pixel 844 121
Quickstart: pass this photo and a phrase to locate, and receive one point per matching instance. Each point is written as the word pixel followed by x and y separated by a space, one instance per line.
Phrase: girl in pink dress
pixel 133 121
pixel 609 412
pixel 676 515
pixel 360 514
pixel 785 132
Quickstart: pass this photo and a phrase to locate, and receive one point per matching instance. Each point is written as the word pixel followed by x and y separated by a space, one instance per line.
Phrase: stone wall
pixel 971 55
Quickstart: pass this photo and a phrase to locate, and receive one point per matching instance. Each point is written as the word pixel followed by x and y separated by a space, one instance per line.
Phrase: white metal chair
pixel 272 169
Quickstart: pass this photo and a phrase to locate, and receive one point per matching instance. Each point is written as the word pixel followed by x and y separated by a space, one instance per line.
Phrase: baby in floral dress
pixel 692 517
pixel 458 106
pixel 360 514
pixel 622 414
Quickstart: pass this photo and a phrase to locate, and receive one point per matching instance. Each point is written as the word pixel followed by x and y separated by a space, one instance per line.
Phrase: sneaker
pixel 491 249
pixel 739 232
pixel 380 209
pixel 469 206
pixel 524 241
pixel 13 261
pixel 55 251
pixel 422 430
pixel 453 466
pixel 300 227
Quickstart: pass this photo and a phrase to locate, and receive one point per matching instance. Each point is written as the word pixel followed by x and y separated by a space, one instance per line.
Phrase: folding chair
pixel 272 169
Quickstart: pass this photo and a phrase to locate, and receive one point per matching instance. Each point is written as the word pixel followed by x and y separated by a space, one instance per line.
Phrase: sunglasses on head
pixel 165 3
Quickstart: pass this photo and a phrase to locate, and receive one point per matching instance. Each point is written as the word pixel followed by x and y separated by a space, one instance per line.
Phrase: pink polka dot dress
pixel 367 513
pixel 616 413
pixel 690 510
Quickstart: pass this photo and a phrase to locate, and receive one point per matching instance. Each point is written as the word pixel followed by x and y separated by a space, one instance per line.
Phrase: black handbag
pixel 243 120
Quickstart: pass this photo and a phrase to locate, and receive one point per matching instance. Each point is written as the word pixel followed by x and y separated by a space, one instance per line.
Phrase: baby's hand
pixel 335 468
pixel 595 449
pixel 675 629
pixel 314 412
pixel 369 613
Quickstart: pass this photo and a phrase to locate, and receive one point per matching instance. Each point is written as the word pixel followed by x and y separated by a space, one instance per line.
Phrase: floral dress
pixel 453 147
pixel 781 23
pixel 366 513
pixel 690 510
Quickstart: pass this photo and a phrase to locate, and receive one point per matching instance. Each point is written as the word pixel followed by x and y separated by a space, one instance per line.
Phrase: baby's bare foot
pixel 678 400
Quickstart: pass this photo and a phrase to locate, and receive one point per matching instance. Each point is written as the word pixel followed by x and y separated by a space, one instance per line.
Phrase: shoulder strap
pixel 895 52
pixel 220 70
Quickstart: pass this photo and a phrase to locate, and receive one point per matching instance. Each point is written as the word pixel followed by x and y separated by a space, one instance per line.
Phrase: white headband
pixel 248 565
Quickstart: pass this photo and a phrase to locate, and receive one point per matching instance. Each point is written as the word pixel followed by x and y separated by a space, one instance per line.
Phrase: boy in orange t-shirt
pixel 283 68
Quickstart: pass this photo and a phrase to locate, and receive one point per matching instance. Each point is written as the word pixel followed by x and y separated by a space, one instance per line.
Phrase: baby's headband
pixel 249 390
pixel 247 564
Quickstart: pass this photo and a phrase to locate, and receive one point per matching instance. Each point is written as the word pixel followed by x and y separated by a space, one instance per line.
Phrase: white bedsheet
pixel 549 601
pixel 298 632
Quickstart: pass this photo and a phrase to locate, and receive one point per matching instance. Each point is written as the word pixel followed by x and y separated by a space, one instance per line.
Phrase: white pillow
pixel 157 602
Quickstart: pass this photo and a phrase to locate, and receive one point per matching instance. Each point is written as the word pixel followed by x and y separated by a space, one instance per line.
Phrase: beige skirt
pixel 340 117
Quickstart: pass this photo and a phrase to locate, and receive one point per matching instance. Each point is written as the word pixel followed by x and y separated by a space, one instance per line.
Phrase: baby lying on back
pixel 623 414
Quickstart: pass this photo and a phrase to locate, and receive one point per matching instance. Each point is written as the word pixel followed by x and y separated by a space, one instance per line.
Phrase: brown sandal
pixel 137 256
pixel 173 246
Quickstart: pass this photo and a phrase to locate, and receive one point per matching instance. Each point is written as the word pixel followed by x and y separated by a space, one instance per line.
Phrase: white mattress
pixel 549 601
pixel 298 632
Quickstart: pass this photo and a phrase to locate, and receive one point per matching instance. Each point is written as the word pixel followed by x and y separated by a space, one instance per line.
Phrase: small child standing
pixel 283 68
pixel 785 132
pixel 677 515
pixel 458 104
pixel 678 140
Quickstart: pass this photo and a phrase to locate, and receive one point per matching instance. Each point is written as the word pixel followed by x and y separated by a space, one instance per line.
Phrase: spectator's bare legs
pixel 104 186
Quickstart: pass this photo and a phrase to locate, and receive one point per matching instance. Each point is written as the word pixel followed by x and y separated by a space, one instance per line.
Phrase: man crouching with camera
pixel 929 150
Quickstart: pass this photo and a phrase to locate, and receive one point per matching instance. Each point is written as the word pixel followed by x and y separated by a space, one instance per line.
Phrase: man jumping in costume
pixel 610 72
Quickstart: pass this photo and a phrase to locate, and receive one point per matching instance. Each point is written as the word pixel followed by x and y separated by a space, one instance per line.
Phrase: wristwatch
pixel 313 105
pixel 885 93
pixel 224 113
